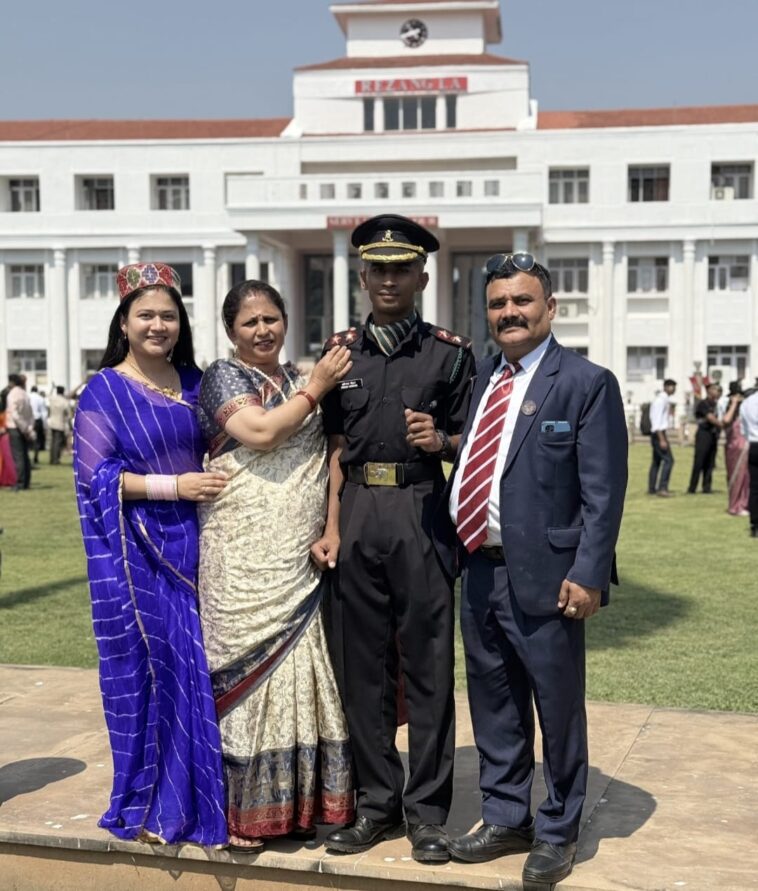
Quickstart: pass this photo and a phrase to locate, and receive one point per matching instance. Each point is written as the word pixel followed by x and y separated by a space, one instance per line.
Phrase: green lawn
pixel 680 631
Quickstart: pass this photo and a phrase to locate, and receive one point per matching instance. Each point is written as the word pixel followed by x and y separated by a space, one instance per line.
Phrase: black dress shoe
pixel 429 842
pixel 547 864
pixel 362 835
pixel 490 841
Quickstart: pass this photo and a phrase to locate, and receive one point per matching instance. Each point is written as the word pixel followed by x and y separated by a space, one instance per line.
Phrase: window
pixel 463 188
pixel 236 273
pixel 731 181
pixel 27 361
pixel 410 113
pixel 642 362
pixel 326 191
pixel 24 194
pixel 172 193
pixel 90 362
pixel 570 186
pixel 185 271
pixel 451 112
pixel 491 188
pixel 734 356
pixel 381 190
pixel 647 274
pixel 368 114
pixel 570 276
pixel 408 190
pixel 96 193
pixel 649 183
pixel 303 191
pixel 354 191
pixel 27 281
pixel 436 189
pixel 99 281
pixel 728 273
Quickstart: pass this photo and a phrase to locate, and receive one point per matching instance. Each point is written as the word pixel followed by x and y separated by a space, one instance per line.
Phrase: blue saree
pixel 142 567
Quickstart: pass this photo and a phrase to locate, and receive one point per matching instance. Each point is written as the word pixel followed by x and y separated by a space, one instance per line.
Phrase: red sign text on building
pixel 351 222
pixel 412 85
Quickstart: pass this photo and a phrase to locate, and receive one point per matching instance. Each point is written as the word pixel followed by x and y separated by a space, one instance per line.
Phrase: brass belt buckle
pixel 378 474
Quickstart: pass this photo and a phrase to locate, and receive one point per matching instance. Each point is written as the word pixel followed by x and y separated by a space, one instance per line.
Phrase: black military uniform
pixel 706 446
pixel 391 598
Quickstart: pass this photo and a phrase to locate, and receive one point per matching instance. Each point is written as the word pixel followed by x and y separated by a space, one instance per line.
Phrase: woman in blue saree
pixel 138 473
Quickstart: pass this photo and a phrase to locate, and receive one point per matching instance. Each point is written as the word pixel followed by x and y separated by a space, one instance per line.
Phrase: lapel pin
pixel 528 407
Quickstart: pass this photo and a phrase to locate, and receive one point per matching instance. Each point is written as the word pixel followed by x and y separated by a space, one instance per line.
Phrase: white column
pixel 341 296
pixel 445 313
pixel 430 303
pixel 72 308
pixel 441 111
pixel 606 299
pixel 57 315
pixel 252 256
pixel 520 240
pixel 132 254
pixel 3 322
pixel 379 115
pixel 205 307
pixel 224 284
pixel 597 308
pixel 618 365
pixel 697 288
pixel 752 369
pixel 685 316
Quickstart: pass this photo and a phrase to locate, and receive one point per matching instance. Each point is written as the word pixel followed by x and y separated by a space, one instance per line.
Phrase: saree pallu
pixel 142 568
pixel 7 467
pixel 284 739
pixel 736 449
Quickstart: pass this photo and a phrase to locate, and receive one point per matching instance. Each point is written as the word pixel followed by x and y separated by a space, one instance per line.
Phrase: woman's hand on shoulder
pixel 201 486
pixel 330 369
pixel 324 552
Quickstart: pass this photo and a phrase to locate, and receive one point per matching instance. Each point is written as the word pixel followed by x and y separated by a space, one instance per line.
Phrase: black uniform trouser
pixel 39 437
pixel 753 470
pixel 391 594
pixel 706 445
pixel 663 459
pixel 57 444
pixel 20 452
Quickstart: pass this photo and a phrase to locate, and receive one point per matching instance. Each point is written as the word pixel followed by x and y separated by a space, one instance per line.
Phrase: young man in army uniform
pixel 391 423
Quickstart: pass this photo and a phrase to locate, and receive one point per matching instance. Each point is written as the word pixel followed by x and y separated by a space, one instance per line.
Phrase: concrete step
pixel 670 805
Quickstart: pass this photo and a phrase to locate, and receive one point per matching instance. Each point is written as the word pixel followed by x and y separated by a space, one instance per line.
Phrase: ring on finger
pixel 571 610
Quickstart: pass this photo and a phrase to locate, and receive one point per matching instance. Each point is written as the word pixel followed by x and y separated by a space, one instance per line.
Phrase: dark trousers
pixel 706 445
pixel 39 437
pixel 663 461
pixel 753 470
pixel 392 601
pixel 20 452
pixel 57 443
pixel 513 659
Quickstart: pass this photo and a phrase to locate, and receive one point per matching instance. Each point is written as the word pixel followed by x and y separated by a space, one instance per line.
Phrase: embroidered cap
pixel 390 238
pixel 146 275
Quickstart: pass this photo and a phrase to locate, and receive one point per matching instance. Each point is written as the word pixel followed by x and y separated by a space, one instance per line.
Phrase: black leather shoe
pixel 429 842
pixel 490 841
pixel 547 864
pixel 362 835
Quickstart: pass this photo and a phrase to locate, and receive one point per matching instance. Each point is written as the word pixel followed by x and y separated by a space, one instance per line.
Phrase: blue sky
pixel 233 58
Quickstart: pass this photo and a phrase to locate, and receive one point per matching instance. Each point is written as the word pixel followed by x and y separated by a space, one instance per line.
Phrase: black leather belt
pixel 375 473
pixel 492 552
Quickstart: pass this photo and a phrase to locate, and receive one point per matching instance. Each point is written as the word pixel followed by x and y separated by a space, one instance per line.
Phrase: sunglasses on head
pixel 498 263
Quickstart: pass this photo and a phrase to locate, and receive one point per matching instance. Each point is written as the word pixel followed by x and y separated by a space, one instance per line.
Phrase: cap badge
pixel 388 235
pixel 528 407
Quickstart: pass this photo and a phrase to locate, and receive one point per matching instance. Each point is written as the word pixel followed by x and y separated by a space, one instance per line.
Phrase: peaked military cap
pixel 390 238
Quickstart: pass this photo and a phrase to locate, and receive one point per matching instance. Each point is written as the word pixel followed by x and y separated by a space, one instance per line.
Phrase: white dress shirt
pixel 749 417
pixel 660 412
pixel 521 381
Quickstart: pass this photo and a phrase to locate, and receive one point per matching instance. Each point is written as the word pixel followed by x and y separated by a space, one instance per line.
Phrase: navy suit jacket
pixel 561 493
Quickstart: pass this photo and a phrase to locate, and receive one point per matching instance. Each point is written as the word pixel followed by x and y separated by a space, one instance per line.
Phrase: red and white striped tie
pixel 474 494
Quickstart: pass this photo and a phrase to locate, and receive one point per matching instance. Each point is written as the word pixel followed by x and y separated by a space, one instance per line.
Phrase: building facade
pixel 647 219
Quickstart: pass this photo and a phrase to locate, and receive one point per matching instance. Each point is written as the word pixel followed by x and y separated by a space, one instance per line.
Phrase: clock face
pixel 413 33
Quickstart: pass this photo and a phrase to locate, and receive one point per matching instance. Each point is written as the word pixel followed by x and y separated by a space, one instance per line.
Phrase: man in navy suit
pixel 535 499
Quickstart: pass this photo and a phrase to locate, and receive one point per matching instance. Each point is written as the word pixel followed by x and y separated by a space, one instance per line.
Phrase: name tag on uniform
pixel 356 384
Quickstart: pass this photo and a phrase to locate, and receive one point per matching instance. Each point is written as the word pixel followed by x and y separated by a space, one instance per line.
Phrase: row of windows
pixel 650 183
pixel 98 193
pixel 464 188
pixel 409 113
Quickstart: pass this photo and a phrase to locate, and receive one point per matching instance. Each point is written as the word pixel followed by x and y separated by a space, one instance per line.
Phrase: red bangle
pixel 311 401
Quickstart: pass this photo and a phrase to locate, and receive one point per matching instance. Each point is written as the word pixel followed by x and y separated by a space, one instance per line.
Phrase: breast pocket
pixel 558 461
pixel 354 402
pixel 420 399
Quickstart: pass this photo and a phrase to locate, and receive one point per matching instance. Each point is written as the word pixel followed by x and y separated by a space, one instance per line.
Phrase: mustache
pixel 504 324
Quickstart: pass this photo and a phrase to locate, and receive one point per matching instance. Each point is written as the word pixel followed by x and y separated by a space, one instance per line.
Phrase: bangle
pixel 446 451
pixel 161 487
pixel 311 400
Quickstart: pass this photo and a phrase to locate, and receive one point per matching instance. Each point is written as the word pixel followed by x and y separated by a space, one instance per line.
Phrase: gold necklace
pixel 166 391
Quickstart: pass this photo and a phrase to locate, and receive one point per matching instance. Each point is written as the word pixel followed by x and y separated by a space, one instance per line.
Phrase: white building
pixel 647 219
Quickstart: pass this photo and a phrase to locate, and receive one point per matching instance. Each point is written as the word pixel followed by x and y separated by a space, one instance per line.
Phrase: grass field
pixel 680 631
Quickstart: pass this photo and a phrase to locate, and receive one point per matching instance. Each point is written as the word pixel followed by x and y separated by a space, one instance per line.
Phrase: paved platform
pixel 671 805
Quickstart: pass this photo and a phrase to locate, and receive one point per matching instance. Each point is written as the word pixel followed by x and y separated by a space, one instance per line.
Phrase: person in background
pixel 749 426
pixel 736 450
pixel 58 422
pixel 19 422
pixel 8 476
pixel 663 458
pixel 706 440
pixel 39 410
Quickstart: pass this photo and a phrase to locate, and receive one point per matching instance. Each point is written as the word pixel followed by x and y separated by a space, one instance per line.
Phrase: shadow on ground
pixel 27 595
pixel 22 777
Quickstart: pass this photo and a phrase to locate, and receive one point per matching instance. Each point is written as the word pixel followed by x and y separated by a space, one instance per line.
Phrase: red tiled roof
pixel 648 117
pixel 411 61
pixel 68 131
